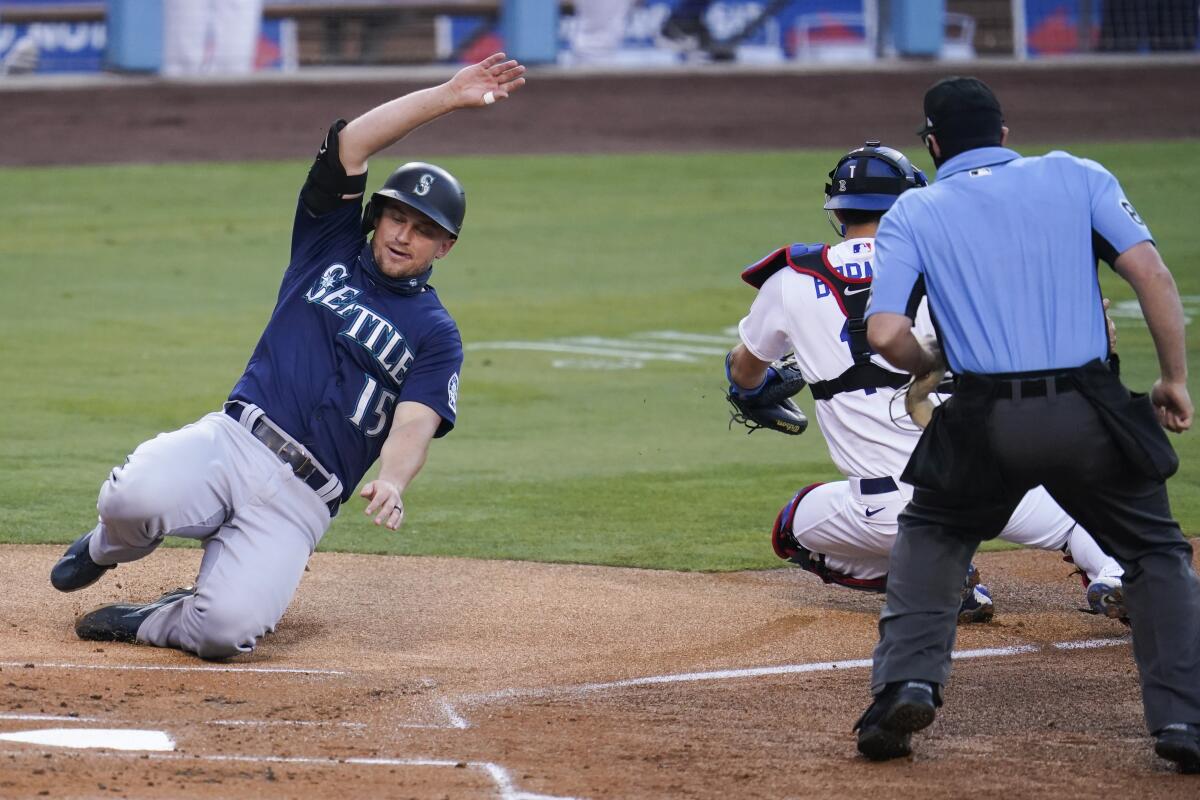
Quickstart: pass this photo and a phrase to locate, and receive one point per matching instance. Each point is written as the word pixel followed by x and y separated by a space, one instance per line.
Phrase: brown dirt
pixel 561 113
pixel 511 649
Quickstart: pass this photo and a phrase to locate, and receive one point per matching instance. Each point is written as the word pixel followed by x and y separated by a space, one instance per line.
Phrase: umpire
pixel 1006 249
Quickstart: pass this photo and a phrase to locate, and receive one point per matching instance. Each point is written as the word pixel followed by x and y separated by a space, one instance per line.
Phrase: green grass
pixel 133 296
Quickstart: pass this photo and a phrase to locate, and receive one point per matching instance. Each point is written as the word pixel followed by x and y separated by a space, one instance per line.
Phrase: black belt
pixel 1032 387
pixel 877 486
pixel 303 466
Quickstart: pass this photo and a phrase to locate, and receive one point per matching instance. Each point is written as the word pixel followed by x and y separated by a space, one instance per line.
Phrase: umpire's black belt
pixel 306 468
pixel 1015 386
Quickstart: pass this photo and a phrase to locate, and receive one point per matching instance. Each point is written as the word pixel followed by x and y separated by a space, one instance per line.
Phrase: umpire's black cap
pixel 962 113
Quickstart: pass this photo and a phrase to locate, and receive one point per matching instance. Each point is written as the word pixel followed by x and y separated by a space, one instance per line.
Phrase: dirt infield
pixel 419 677
pixel 439 678
pixel 560 113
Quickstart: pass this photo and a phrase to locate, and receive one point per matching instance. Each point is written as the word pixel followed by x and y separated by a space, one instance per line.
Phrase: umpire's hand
pixel 1173 405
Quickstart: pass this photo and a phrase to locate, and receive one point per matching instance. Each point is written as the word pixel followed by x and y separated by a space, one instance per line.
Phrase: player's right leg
pixel 182 483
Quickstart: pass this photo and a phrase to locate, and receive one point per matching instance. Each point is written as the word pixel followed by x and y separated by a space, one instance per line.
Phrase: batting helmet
pixel 429 189
pixel 870 178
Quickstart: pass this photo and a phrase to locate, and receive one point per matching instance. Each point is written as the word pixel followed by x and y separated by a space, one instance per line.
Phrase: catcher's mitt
pixel 770 405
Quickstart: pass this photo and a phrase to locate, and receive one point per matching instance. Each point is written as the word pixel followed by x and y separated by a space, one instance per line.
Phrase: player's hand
pixel 1173 405
pixel 385 503
pixel 932 358
pixel 1111 327
pixel 487 82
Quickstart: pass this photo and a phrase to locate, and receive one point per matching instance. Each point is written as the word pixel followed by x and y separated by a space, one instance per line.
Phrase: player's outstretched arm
pixel 487 82
pixel 400 460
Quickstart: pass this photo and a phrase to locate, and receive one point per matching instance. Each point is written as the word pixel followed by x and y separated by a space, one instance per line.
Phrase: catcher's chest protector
pixel 852 295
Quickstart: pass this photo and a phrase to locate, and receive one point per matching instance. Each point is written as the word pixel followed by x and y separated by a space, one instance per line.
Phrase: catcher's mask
pixel 429 189
pixel 870 178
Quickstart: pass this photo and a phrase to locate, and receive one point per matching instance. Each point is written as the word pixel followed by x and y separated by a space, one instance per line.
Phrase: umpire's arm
pixel 1143 267
pixel 891 335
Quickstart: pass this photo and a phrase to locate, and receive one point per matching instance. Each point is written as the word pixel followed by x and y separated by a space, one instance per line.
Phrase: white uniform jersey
pixel 797 312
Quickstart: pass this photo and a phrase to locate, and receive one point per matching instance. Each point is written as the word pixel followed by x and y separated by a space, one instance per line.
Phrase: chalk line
pixel 499 775
pixel 169 668
pixel 782 669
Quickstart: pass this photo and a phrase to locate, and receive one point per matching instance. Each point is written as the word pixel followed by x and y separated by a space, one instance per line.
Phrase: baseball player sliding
pixel 359 362
pixel 811 300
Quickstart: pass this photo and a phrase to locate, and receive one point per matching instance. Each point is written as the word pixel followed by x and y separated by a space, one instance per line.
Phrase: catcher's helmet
pixel 870 178
pixel 429 189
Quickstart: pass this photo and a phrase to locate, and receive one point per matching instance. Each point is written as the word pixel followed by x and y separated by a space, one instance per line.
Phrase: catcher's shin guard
pixel 786 546
pixel 790 550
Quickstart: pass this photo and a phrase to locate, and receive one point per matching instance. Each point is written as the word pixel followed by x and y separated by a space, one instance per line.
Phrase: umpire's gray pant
pixel 1061 443
pixel 258 522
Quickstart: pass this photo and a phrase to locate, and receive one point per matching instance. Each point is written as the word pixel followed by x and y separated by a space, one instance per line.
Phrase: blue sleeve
pixel 1115 223
pixel 898 268
pixel 317 236
pixel 433 379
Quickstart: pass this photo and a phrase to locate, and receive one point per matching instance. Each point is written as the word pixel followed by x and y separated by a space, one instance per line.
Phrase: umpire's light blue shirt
pixel 1005 247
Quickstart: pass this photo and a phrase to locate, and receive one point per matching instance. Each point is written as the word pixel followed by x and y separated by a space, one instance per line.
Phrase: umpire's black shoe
pixel 1180 743
pixel 119 622
pixel 885 729
pixel 76 570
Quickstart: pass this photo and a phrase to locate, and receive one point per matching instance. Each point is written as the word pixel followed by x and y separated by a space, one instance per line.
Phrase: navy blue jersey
pixel 341 349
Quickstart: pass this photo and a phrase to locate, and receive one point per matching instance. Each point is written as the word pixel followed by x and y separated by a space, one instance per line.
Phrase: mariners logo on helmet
pixel 426 187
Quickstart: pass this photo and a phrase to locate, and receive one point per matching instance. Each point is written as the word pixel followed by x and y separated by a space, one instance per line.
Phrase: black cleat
pixel 885 729
pixel 76 570
pixel 119 622
pixel 1180 743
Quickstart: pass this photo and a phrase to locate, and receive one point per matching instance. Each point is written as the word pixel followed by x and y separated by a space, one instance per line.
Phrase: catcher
pixel 811 300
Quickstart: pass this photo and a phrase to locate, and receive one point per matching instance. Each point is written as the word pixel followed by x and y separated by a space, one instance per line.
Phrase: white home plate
pixel 107 738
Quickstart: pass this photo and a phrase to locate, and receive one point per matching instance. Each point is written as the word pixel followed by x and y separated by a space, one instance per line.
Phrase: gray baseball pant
pixel 259 523
pixel 1061 443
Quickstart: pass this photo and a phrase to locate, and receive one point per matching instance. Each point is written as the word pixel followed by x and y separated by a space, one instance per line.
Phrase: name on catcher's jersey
pixel 797 312
pixel 340 350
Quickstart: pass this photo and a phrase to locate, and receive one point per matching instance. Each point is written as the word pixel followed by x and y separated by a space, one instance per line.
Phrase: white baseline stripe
pixel 497 773
pixel 783 669
pixel 456 721
pixel 1089 644
pixel 553 347
pixel 156 668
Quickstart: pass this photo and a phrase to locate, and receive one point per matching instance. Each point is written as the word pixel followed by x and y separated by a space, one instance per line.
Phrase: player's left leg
pixel 248 576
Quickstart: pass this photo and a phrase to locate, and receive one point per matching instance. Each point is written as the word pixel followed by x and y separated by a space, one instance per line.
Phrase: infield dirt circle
pixel 420 677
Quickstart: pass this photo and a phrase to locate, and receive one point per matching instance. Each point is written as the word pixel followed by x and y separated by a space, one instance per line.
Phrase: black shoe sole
pixel 1184 753
pixel 878 744
pixel 892 736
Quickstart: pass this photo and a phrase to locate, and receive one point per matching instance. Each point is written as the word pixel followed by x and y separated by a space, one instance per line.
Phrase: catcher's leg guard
pixel 790 550
pixel 786 546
